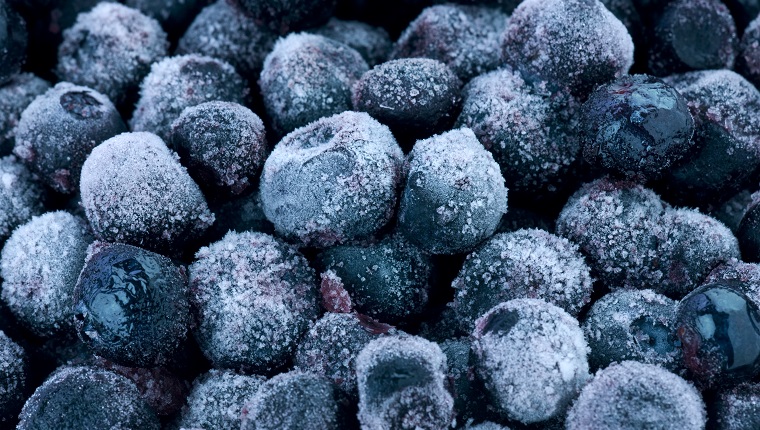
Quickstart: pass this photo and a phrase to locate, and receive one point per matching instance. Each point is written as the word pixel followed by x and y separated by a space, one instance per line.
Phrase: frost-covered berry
pixel 454 195
pixel 307 77
pixel 529 133
pixel 13 42
pixel 743 276
pixel 415 97
pixel 748 231
pixel 332 181
pixel 222 31
pixel 572 45
pixel 40 265
pixel 748 57
pixel 20 196
pixel 135 191
pixel 736 408
pixel 632 396
pixel 523 264
pixel 76 398
pixel 401 385
pixel 293 401
pixel 465 38
pixel 389 281
pixel 469 395
pixel 532 357
pixel 131 306
pixel 255 296
pixel 110 49
pixel 486 425
pixel 693 35
pixel 285 16
pixel 217 399
pixel 57 131
pixel 15 96
pixel 13 379
pixel 635 325
pixel 176 83
pixel 222 144
pixel 373 43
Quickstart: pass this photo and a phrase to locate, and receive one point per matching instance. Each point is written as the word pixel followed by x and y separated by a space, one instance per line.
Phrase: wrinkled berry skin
pixel 13 41
pixel 719 328
pixel 636 126
pixel 131 305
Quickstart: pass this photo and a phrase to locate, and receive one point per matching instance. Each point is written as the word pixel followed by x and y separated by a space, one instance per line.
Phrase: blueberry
pixel 748 57
pixel 173 15
pixel 736 408
pixel 285 16
pixel 743 276
pixel 15 96
pixel 13 42
pixel 217 399
pixel 531 356
pixel 58 130
pixel 87 398
pixel 373 43
pixel 14 380
pixel 632 395
pixel 110 49
pixel 749 230
pixel 719 327
pixel 454 196
pixel 466 389
pixel 486 425
pixel 20 196
pixel 506 6
pixel 731 212
pixel 637 127
pixel 239 214
pixel 131 305
pixel 40 265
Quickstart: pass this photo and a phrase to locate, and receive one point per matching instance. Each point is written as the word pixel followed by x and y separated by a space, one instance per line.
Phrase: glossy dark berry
pixel 285 16
pixel 217 399
pixel 58 130
pixel 748 232
pixel 693 35
pixel 20 196
pixel 532 357
pixel 571 45
pixel 332 181
pixel 222 144
pixel 415 97
pixel 743 276
pixel 373 43
pixel 76 398
pixel 637 126
pixel 307 77
pixel 736 408
pixel 719 328
pixel 131 305
pixel 748 57
pixel 632 396
pixel 14 376
pixel 13 42
pixel 15 96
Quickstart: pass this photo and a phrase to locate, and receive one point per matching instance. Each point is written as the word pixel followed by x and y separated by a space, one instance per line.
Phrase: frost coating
pixel 523 264
pixel 573 45
pixel 15 96
pixel 217 399
pixel 373 43
pixel 110 49
pixel 401 385
pixel 255 296
pixel 20 196
pixel 532 358
pixel 40 265
pixel 135 191
pixel 13 379
pixel 454 196
pixel 332 181
pixel 737 408
pixel 632 396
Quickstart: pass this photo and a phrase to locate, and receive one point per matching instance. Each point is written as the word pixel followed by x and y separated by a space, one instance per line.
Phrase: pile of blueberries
pixel 294 214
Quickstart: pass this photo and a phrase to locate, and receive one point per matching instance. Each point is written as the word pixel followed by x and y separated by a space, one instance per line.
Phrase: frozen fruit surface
pixel 15 96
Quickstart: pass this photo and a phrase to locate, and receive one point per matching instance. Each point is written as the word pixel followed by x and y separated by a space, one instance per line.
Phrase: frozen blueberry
pixel 131 305
pixel 743 276
pixel 637 126
pixel 389 281
pixel 467 390
pixel 173 15
pixel 522 264
pixel 223 145
pixel 293 401
pixel 76 398
pixel 572 45
pixel 506 6
pixel 239 214
pixel 285 16
pixel 222 31
pixel 737 408
pixel 530 133
pixel 332 181
pixel 176 83
pixel 20 196
pixel 415 97
pixel 618 227
pixel 255 297
pixel 307 77
pixel 373 43
pixel 40 265
pixel 731 212
pixel 58 130
pixel 629 13
pixel 110 49
pixel 633 396
pixel 719 328
pixel 532 357
pixel 13 379
pixel 454 196
pixel 15 96
pixel 748 231
pixel 401 385
pixel 633 325
pixel 727 138
pixel 487 425
pixel 465 38
pixel 748 57
pixel 693 35
pixel 135 191
pixel 13 42
pixel 217 399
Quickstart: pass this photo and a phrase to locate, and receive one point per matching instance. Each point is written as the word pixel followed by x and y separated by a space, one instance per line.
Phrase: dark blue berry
pixel 285 16
pixel 14 380
pixel 13 42
pixel 15 96
pixel 373 43
pixel 217 399
pixel 736 408
pixel 749 231
pixel 173 15
pixel 748 58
